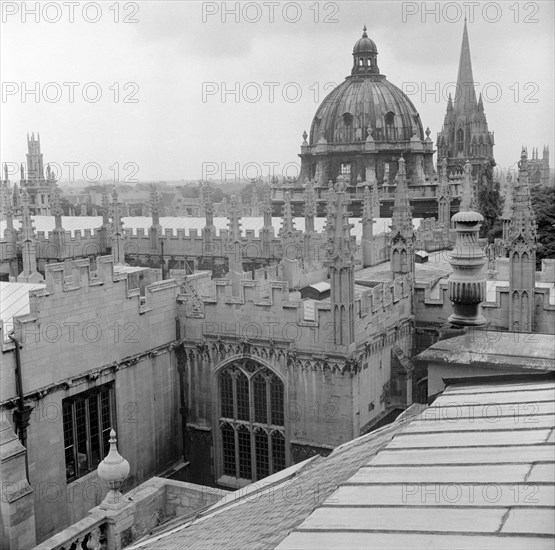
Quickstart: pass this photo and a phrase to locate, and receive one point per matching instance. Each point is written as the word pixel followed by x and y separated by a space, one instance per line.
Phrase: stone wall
pixel 86 330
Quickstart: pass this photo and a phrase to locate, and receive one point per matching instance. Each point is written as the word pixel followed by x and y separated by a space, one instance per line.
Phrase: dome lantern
pixel 365 56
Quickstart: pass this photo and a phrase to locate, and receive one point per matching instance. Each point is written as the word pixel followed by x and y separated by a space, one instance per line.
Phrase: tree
pixel 543 203
pixel 490 205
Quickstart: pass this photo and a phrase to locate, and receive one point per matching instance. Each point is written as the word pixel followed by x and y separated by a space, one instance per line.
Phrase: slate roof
pixel 474 470
pixel 436 268
pixel 14 300
pixel 261 521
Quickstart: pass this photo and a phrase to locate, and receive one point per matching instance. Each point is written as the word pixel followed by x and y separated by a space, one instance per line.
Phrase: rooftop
pixel 14 300
pixel 476 469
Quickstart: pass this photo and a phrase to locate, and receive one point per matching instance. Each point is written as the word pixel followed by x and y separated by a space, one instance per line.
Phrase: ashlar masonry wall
pixel 85 330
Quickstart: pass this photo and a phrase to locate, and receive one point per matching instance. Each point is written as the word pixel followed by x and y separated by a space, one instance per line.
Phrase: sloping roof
pixel 474 470
pixel 14 300
pixel 264 518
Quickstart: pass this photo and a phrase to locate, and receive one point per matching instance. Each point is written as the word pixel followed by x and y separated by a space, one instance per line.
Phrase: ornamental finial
pixel 113 471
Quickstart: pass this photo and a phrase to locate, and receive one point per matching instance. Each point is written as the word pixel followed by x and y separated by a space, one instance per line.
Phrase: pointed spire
pixel 402 218
pixel 480 104
pixel 105 207
pixel 508 204
pixel 340 245
pixel 28 245
pixel 287 224
pixel 309 207
pixel 118 236
pixel 330 209
pixel 27 229
pixel 450 103
pixel 523 221
pixel 154 205
pixel 208 207
pixel 234 218
pixel 57 211
pixel 8 211
pixel 465 96
pixel 367 206
pixel 267 207
pixel 234 247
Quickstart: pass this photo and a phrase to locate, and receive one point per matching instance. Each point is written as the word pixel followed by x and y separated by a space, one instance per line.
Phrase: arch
pixel 251 406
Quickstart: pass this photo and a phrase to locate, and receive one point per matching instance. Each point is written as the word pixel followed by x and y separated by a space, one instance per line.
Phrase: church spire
pixel 465 96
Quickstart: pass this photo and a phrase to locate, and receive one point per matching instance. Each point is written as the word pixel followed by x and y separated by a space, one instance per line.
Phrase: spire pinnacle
pixel 465 96
pixel 234 220
pixel 288 225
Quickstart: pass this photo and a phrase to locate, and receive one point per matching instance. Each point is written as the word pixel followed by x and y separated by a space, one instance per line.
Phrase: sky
pixel 159 91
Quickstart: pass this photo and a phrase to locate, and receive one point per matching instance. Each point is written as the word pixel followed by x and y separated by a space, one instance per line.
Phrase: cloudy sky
pixel 141 86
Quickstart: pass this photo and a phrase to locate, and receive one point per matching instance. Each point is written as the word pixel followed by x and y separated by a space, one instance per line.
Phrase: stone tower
pixel 522 254
pixel 465 133
pixel 35 184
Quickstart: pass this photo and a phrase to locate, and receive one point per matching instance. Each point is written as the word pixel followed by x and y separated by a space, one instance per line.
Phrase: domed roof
pixel 366 100
pixel 364 44
pixel 358 104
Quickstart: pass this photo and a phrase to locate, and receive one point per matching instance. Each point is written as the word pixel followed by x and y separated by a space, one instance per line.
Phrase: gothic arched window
pixel 460 140
pixel 252 432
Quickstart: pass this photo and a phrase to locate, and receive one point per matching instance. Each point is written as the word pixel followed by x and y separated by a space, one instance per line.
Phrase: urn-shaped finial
pixel 113 471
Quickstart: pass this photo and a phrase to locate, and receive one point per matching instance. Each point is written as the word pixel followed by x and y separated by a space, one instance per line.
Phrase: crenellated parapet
pixel 267 307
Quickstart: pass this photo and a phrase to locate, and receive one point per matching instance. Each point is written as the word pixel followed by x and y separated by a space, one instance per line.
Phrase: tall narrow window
pixel 87 420
pixel 460 140
pixel 252 428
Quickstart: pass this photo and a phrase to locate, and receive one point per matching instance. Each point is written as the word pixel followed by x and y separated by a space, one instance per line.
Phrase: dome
pixel 366 100
pixel 362 103
pixel 364 44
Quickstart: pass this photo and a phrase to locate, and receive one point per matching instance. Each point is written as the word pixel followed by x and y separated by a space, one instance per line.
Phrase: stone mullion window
pixel 258 394
pixel 87 420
